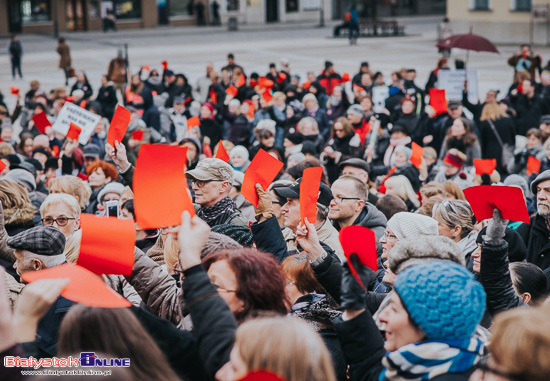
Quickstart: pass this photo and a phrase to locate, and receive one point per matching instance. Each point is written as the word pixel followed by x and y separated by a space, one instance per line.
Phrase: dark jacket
pixel 349 147
pixel 211 128
pixel 535 235
pixel 48 328
pixel 490 148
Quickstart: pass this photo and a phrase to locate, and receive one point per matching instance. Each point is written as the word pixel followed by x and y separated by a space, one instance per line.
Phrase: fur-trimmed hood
pixel 19 216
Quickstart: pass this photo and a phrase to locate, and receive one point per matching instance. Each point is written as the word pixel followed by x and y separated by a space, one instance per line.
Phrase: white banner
pixel 84 119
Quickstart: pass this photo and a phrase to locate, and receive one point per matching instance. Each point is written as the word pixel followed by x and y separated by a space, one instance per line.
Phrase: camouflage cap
pixel 212 169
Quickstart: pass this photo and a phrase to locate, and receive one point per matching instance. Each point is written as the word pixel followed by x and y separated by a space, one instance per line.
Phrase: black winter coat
pixel 490 147
pixel 536 237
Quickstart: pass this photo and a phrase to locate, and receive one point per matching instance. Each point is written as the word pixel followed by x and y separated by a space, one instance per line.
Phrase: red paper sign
pixel 438 101
pixel 55 150
pixel 84 287
pixel 266 95
pixel 262 170
pixel 533 165
pixel 417 153
pixel 74 131
pixel 214 98
pixel 14 90
pixel 137 135
pixel 309 193
pixel 345 78
pixel 107 245
pixel 194 121
pixel 221 153
pixel 160 186
pixel 509 200
pixel 41 122
pixel 359 240
pixel 232 90
pixel 164 65
pixel 265 83
pixel 242 81
pixel 485 166
pixel 2 166
pixel 119 125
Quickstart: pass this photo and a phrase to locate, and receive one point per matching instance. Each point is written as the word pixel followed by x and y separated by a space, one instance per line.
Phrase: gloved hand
pixel 265 206
pixel 353 295
pixel 367 276
pixel 494 235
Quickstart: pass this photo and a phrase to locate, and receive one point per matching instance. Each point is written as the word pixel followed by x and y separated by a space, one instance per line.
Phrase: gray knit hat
pixel 519 181
pixel 415 250
pixel 406 224
pixel 406 150
pixel 21 177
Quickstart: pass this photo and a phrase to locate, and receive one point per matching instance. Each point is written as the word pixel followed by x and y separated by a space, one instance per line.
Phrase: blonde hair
pixel 60 198
pixel 454 190
pixel 520 342
pixel 308 121
pixel 6 149
pixel 72 246
pixel 171 252
pixel 13 195
pixel 492 111
pixel 403 189
pixel 455 213
pixel 71 185
pixel 295 353
pixel 279 95
pixel 432 189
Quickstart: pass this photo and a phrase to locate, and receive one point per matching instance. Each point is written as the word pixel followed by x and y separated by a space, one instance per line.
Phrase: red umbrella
pixel 468 41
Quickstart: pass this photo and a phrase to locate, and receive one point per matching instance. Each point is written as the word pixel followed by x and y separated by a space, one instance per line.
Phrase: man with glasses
pixel 211 181
pixel 349 206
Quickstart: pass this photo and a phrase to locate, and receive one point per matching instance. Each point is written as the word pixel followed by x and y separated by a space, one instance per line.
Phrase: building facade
pixel 501 21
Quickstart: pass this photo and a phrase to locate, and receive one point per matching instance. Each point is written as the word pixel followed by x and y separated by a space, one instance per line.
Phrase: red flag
pixel 438 101
pixel 509 201
pixel 262 170
pixel 74 131
pixel 485 166
pixel 309 193
pixel 231 90
pixel 221 153
pixel 119 125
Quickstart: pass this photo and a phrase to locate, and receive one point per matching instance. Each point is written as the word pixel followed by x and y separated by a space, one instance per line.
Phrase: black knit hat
pixel 239 233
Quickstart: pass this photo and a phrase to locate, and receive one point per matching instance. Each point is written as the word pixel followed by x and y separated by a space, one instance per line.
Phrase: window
pixel 479 5
pixel 180 7
pixel 35 10
pixel 122 9
pixel 292 5
pixel 232 5
pixel 523 5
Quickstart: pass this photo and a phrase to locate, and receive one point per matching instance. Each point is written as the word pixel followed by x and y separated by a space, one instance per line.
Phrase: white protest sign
pixel 84 119
pixel 379 96
pixel 453 83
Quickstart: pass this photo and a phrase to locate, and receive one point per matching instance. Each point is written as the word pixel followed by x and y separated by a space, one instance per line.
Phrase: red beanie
pixel 453 160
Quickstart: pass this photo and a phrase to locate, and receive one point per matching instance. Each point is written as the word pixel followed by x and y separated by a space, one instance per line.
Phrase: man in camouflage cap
pixel 211 181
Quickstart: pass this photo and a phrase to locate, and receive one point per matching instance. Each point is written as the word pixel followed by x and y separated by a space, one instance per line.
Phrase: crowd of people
pixel 252 292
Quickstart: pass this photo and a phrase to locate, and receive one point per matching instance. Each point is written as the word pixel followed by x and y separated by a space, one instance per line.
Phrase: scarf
pixel 312 111
pixel 219 213
pixel 317 310
pixel 429 359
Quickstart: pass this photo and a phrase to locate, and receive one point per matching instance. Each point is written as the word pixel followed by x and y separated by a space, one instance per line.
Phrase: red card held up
pixel 107 245
pixel 137 135
pixel 160 186
pixel 14 90
pixel 417 153
pixel 509 200
pixel 232 90
pixel 438 101
pixel 119 125
pixel 74 131
pixel 485 166
pixel 262 170
pixel 266 95
pixel 345 78
pixel 41 122
pixel 84 286
pixel 309 193
pixel 194 121
pixel 361 241
pixel 164 65
pixel 221 153
pixel 242 81
pixel 2 165
pixel 533 165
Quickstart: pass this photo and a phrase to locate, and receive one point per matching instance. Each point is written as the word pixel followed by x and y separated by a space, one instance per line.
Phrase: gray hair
pixel 60 198
pixel 47 260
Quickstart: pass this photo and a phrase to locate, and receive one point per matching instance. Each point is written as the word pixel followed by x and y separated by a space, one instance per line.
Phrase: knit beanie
pixel 406 150
pixel 239 151
pixel 405 224
pixel 239 233
pixel 414 250
pixel 443 298
pixel 21 177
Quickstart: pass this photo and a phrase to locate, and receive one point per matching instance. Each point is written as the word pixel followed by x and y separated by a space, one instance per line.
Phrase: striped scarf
pixel 429 359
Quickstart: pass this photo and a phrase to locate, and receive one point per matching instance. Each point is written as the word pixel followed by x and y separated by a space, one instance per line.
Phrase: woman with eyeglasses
pixel 344 144
pixel 456 221
pixel 62 211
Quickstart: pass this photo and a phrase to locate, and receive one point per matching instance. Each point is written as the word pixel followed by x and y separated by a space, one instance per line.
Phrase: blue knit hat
pixel 443 298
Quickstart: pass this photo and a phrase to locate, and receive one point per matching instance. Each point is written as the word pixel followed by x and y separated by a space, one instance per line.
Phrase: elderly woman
pixel 428 326
pixel 456 221
pixel 71 185
pixel 62 211
pixel 100 174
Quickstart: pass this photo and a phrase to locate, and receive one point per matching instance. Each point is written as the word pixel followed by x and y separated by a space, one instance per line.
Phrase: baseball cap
pixel 212 169
pixel 293 191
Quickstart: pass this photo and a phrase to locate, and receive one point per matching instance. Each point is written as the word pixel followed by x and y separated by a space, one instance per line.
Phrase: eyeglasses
pixel 61 221
pixel 446 203
pixel 218 288
pixel 201 183
pixel 486 368
pixel 339 200
pixel 387 235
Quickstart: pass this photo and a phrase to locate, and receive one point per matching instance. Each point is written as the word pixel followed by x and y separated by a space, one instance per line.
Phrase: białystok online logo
pixel 87 359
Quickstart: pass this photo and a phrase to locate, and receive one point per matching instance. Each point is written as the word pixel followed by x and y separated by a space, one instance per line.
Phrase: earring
pixel 453 236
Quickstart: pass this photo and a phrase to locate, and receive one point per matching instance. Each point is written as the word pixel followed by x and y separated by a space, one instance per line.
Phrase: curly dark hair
pixel 260 281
